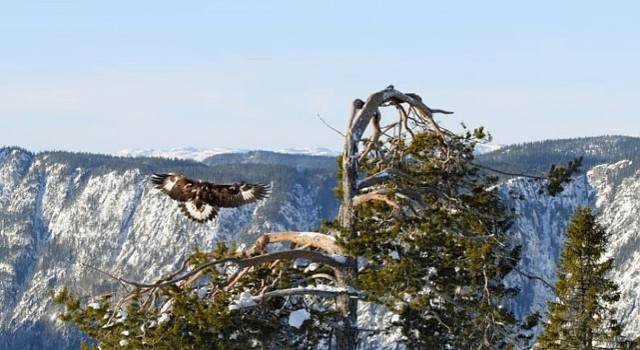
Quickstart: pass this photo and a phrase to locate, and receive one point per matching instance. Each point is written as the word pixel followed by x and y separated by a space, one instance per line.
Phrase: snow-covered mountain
pixel 482 148
pixel 61 212
pixel 613 189
pixel 618 201
pixel 310 151
pixel 200 154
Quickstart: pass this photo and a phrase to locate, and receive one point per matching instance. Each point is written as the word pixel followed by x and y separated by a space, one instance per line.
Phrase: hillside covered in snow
pixel 199 154
pixel 63 212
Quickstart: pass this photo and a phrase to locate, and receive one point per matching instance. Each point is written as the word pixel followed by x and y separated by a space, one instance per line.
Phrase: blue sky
pixel 101 76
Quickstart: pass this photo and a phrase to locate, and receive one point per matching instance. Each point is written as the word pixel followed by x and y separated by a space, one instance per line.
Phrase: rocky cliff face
pixel 539 225
pixel 618 201
pixel 62 213
pixel 58 218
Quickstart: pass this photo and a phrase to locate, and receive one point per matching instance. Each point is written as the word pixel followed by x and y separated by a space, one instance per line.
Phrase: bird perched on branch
pixel 201 200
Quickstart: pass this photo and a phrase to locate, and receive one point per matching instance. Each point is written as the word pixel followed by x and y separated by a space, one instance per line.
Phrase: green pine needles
pixel 439 261
pixel 582 317
pixel 421 233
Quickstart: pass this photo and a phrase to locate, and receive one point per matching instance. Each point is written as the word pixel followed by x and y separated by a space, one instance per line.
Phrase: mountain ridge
pixel 201 154
pixel 62 210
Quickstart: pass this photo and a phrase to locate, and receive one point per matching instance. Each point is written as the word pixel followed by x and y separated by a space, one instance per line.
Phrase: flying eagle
pixel 200 200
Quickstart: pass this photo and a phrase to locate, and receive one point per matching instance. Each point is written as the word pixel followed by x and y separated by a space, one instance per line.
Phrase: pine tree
pixel 420 231
pixel 440 262
pixel 582 317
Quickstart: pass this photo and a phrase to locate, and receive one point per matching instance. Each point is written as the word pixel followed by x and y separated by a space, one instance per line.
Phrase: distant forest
pixel 534 157
pixel 283 171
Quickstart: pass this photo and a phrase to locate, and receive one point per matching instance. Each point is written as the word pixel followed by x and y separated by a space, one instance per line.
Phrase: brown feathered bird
pixel 201 200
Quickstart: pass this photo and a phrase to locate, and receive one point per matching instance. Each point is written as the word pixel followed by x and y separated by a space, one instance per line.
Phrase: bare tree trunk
pixel 362 114
pixel 347 332
pixel 347 308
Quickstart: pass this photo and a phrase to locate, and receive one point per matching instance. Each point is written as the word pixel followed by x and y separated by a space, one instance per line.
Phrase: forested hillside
pixel 535 157
pixel 61 211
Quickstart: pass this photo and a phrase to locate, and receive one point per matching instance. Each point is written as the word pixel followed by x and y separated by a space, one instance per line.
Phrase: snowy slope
pixel 482 148
pixel 201 154
pixel 539 225
pixel 198 154
pixel 60 214
pixel 310 151
pixel 57 218
pixel 614 191
pixel 619 204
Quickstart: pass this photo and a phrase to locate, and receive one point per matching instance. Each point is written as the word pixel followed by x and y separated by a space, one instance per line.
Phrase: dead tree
pixel 385 142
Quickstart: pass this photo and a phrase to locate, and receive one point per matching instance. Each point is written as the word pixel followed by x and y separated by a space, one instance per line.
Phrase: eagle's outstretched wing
pixel 201 200
pixel 235 195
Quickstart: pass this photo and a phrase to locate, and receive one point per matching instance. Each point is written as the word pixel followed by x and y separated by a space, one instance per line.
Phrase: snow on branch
pixel 321 290
pixel 253 257
pixel 247 262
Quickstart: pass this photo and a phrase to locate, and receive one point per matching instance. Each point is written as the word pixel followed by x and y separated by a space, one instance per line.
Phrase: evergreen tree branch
pixel 317 276
pixel 329 126
pixel 537 278
pixel 392 175
pixel 243 263
pixel 507 173
pixel 321 292
pixel 107 274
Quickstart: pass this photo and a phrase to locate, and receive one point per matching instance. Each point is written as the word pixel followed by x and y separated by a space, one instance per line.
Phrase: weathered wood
pixel 389 185
pixel 313 239
pixel 248 262
pixel 363 115
pixel 380 195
